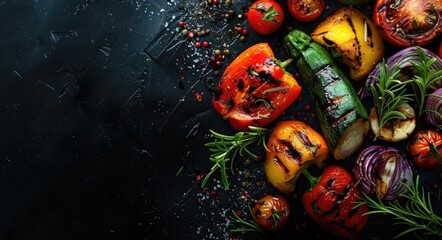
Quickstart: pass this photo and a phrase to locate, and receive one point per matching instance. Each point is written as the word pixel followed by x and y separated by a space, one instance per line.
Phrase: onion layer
pixel 403 60
pixel 382 172
pixel 433 109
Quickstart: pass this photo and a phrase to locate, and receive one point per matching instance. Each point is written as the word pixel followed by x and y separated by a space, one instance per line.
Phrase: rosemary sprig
pixel 424 79
pixel 388 93
pixel 226 147
pixel 416 213
pixel 249 226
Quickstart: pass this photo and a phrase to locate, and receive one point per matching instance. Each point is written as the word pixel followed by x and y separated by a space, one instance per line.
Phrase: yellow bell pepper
pixel 353 36
pixel 292 147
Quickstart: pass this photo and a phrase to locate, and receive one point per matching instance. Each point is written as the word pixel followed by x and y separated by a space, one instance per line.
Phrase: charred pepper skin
pixel 292 147
pixel 331 203
pixel 254 89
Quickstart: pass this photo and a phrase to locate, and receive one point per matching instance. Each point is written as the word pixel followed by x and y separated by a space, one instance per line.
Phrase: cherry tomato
pixel 265 16
pixel 426 149
pixel 271 213
pixel 306 10
pixel 408 22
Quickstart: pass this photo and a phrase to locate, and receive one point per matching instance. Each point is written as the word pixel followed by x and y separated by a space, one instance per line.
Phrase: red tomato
pixel 426 149
pixel 408 22
pixel 254 89
pixel 265 16
pixel 271 213
pixel 306 10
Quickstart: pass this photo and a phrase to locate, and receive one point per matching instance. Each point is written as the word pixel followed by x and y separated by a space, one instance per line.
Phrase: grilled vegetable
pixel 406 62
pixel 331 202
pixel 425 149
pixel 433 109
pixel 408 22
pixel 254 89
pixel 265 16
pixel 335 101
pixel 397 129
pixel 306 10
pixel 353 36
pixel 382 172
pixel 271 213
pixel 292 146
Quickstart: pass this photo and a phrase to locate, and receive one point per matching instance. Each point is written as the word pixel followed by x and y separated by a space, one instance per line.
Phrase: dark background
pixel 99 113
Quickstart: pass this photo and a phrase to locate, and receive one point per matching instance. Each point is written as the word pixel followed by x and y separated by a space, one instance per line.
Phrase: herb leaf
pixel 226 147
pixel 425 78
pixel 388 94
pixel 416 213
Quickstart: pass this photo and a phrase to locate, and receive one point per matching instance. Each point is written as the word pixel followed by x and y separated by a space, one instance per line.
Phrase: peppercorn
pixel 243 39
pixel 217 52
pixel 226 52
pixel 185 32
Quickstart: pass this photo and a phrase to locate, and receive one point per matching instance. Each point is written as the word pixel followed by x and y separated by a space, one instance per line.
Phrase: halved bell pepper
pixel 332 200
pixel 292 147
pixel 352 35
pixel 254 89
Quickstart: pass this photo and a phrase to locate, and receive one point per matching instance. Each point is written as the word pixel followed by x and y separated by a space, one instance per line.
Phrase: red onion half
pixel 382 171
pixel 433 109
pixel 403 60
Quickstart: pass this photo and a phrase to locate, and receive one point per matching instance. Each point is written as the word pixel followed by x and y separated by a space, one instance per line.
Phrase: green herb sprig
pixel 226 147
pixel 388 94
pixel 416 213
pixel 248 226
pixel 424 79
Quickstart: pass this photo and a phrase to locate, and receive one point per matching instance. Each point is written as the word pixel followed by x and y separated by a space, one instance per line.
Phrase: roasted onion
pixel 403 60
pixel 382 172
pixel 433 109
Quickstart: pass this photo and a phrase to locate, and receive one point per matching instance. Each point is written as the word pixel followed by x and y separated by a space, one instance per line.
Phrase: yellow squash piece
pixel 292 146
pixel 354 37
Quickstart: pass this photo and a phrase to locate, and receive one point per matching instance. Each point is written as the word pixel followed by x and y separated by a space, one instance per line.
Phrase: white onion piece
pixel 382 172
pixel 433 109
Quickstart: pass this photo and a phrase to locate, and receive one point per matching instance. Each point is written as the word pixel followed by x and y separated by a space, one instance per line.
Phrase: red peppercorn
pixel 307 107
pixel 245 32
pixel 239 29
pixel 212 59
pixel 206 44
pixel 190 35
pixel 198 44
pixel 216 2
pixel 181 24
pixel 218 63
pixel 312 115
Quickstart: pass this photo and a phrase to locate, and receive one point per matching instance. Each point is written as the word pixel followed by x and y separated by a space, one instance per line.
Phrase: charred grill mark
pixel 359 54
pixel 305 138
pixel 278 161
pixel 369 34
pixel 329 183
pixel 334 103
pixel 328 42
pixel 291 151
pixel 334 211
pixel 337 121
pixel 218 94
pixel 240 84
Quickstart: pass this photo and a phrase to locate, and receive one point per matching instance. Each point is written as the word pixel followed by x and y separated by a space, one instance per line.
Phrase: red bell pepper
pixel 254 89
pixel 331 202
